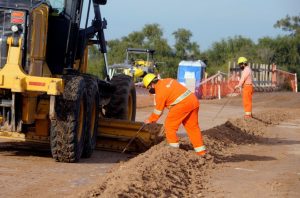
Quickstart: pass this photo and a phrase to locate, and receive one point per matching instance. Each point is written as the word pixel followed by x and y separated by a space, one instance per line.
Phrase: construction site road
pixel 269 167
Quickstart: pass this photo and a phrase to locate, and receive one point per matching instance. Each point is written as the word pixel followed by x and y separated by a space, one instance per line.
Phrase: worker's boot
pixel 247 116
pixel 201 153
pixel 174 145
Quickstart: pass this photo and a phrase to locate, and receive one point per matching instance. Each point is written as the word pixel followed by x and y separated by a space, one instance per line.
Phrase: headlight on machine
pixel 14 28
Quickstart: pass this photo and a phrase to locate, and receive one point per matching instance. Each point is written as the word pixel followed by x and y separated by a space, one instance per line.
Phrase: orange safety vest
pixel 168 92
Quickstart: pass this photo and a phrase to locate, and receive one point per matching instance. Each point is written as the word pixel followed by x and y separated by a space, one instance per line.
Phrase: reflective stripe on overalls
pixel 181 97
pixel 199 149
pixel 175 145
pixel 157 112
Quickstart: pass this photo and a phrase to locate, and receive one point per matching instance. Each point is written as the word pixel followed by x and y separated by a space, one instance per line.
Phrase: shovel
pixel 227 101
pixel 131 140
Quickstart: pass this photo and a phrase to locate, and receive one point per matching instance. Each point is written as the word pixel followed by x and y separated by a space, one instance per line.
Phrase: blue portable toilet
pixel 190 74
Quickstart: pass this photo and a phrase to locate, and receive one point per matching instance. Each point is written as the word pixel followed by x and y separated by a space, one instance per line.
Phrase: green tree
pixel 288 48
pixel 150 37
pixel 228 50
pixel 266 50
pixel 152 32
pixel 95 62
pixel 184 48
pixel 289 24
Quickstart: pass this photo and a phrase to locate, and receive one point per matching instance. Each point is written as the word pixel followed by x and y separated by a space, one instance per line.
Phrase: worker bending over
pixel 246 83
pixel 183 108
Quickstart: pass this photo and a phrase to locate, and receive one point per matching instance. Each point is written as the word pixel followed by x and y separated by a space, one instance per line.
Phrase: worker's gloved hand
pixel 147 121
pixel 236 87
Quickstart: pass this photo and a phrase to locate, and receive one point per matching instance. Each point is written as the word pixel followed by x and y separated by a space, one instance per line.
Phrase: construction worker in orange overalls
pixel 246 83
pixel 183 108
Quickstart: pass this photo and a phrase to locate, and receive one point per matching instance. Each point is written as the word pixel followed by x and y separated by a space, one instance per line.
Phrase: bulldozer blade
pixel 114 135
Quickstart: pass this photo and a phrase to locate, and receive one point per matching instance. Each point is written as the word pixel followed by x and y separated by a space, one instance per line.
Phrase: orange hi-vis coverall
pixel 183 108
pixel 246 82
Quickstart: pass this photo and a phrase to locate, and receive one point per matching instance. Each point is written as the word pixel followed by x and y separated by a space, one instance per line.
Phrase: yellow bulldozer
pixel 135 66
pixel 46 94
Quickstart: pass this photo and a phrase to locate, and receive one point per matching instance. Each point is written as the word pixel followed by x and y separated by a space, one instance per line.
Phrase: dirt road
pixel 268 169
pixel 30 172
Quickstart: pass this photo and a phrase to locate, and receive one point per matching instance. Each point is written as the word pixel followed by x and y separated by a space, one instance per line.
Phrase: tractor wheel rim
pixel 130 106
pixel 93 119
pixel 81 120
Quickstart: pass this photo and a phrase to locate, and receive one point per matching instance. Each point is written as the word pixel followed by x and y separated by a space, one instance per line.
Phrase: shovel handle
pixel 131 140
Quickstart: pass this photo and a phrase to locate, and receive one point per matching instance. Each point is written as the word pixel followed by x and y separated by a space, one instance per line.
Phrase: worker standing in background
pixel 246 83
pixel 183 108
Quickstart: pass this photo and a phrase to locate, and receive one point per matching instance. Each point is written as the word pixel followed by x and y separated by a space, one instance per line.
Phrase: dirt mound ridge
pixel 167 172
pixel 242 131
pixel 161 171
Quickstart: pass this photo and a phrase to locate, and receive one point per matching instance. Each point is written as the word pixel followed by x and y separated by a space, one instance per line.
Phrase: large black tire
pixel 122 104
pixel 69 124
pixel 92 116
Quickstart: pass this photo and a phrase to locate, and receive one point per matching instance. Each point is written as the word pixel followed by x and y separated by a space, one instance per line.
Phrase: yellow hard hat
pixel 242 60
pixel 148 79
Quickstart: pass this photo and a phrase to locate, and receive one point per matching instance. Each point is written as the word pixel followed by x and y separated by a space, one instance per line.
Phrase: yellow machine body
pixel 37 88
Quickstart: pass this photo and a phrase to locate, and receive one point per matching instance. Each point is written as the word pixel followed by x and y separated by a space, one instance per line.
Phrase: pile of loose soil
pixel 239 131
pixel 168 172
pixel 243 131
pixel 160 172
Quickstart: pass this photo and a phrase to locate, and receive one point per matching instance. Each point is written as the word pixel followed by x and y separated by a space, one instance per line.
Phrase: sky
pixel 208 20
